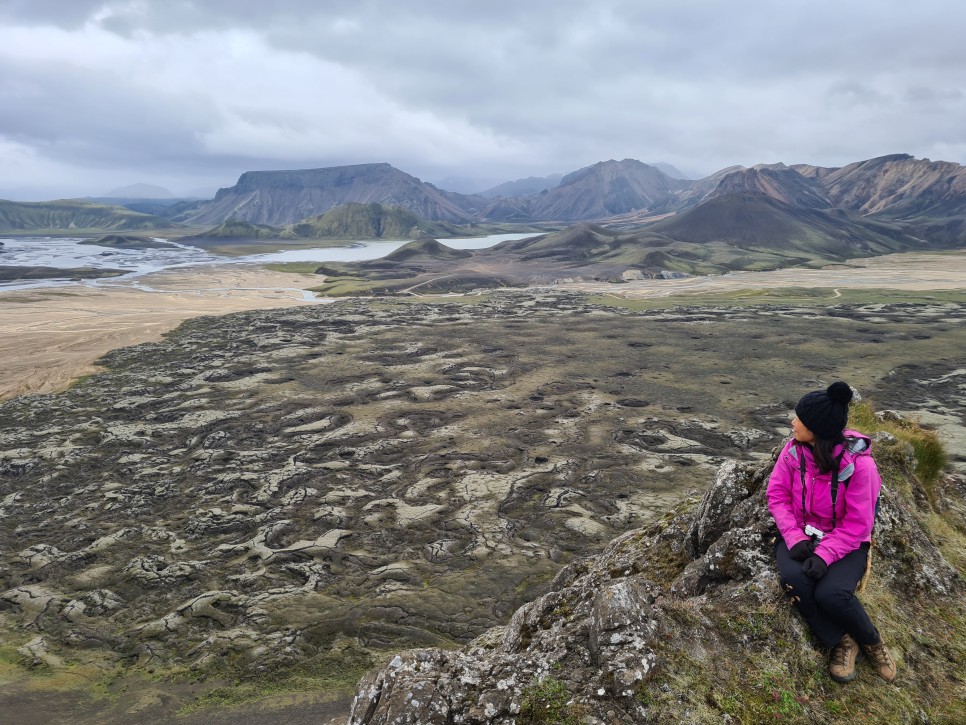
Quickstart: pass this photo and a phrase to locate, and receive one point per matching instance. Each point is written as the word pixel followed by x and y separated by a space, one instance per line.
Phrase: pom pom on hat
pixel 840 393
pixel 825 412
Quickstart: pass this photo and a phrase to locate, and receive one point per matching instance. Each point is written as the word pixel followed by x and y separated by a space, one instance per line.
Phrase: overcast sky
pixel 187 94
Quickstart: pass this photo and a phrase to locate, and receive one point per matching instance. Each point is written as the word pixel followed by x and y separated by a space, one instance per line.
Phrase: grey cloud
pixel 700 84
pixel 61 13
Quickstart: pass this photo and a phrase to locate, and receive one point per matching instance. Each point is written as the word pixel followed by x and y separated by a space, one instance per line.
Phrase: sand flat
pixel 914 271
pixel 50 336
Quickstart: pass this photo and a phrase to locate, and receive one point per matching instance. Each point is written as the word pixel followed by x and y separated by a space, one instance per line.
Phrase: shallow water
pixel 66 253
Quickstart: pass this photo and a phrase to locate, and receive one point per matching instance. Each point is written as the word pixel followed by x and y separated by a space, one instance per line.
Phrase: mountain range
pixel 889 203
pixel 897 187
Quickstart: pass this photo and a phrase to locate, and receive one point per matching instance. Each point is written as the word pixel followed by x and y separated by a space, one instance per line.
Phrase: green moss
pixel 546 701
pixel 334 673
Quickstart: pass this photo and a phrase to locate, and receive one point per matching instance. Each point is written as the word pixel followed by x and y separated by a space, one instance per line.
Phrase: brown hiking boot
pixel 881 661
pixel 841 666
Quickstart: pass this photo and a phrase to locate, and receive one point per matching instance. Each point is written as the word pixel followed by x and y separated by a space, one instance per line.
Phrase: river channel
pixel 67 253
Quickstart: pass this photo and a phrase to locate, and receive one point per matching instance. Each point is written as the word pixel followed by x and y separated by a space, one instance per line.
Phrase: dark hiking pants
pixel 829 605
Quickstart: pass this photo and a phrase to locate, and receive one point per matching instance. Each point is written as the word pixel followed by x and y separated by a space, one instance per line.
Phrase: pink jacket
pixel 855 504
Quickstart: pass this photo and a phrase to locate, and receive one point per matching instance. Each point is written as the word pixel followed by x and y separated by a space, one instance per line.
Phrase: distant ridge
pixel 140 191
pixel 523 187
pixel 897 186
pixel 70 214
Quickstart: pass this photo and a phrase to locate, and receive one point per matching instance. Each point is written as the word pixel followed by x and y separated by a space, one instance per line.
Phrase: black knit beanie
pixel 825 412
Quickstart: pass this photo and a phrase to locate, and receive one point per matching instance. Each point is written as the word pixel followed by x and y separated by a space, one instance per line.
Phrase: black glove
pixel 815 567
pixel 802 550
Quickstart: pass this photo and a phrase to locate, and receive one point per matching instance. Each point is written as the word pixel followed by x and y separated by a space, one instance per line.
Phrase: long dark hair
pixel 824 452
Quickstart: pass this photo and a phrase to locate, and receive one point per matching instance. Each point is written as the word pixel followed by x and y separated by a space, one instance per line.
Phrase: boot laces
pixel 840 655
pixel 878 653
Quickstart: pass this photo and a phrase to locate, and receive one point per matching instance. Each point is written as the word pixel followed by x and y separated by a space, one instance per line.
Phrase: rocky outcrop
pixel 675 623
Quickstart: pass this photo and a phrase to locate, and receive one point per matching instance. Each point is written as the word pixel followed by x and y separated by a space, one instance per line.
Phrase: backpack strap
pixel 853 445
pixel 836 480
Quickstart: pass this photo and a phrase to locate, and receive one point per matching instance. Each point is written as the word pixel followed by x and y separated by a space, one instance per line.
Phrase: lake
pixel 65 253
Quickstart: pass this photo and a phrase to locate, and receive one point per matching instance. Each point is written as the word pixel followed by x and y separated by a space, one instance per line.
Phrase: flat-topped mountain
pixel 286 197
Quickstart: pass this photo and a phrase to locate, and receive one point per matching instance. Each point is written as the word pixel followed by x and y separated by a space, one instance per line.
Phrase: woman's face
pixel 800 432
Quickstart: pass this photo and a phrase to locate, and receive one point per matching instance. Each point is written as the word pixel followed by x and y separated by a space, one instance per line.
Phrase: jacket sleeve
pixel 780 503
pixel 856 514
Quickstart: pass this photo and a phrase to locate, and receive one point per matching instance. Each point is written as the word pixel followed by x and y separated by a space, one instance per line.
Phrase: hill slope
pixel 369 221
pixel 755 221
pixel 70 214
pixel 778 182
pixel 899 186
pixel 606 189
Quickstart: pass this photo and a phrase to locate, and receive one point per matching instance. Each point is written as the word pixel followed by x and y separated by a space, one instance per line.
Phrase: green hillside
pixel 594 248
pixel 757 222
pixel 235 229
pixel 69 214
pixel 425 249
pixel 370 221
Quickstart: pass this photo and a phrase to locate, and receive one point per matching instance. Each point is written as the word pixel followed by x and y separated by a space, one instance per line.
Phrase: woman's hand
pixel 815 567
pixel 802 550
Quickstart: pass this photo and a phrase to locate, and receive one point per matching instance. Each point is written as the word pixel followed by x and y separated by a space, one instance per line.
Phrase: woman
pixel 825 528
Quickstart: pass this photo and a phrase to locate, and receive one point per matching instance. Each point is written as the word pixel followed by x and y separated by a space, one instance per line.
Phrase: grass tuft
pixel 929 452
pixel 547 702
